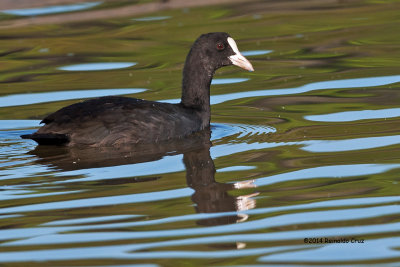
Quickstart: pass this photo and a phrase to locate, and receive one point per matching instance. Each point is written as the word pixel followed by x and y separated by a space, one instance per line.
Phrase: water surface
pixel 50 9
pixel 300 167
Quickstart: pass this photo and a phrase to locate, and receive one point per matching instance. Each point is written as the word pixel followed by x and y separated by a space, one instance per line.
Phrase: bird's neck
pixel 197 76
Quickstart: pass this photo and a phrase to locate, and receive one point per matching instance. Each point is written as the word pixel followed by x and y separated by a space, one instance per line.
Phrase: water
pixel 304 161
pixel 98 66
pixel 50 9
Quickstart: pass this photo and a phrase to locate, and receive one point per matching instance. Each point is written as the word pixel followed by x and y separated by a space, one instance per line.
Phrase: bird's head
pixel 218 49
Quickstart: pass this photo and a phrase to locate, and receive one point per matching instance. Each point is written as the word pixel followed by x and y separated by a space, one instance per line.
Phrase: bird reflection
pixel 209 196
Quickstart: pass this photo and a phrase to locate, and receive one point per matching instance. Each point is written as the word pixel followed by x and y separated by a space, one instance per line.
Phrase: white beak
pixel 238 59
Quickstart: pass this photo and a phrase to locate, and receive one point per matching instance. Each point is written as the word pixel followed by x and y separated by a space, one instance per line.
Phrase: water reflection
pixel 99 201
pixel 50 9
pixel 153 18
pixel 256 52
pixel 221 130
pixel 209 196
pixel 34 98
pixel 337 171
pixel 98 66
pixel 317 146
pixel 18 124
pixel 334 84
pixel 354 252
pixel 228 80
pixel 346 116
pixel 92 219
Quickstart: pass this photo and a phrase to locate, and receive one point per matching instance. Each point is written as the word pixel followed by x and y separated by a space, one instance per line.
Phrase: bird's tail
pixel 47 138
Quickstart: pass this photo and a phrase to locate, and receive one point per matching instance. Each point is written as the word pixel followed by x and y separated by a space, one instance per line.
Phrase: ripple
pixel 49 235
pixel 256 52
pixel 233 148
pixel 50 9
pixel 18 124
pixel 236 168
pixel 23 171
pixel 154 18
pixel 123 252
pixel 167 164
pixel 9 216
pixel 315 146
pixel 337 171
pixel 34 98
pixel 102 201
pixel 92 219
pixel 21 194
pixel 229 80
pixel 221 130
pixel 373 250
pixel 335 84
pixel 343 203
pixel 98 66
pixel 350 144
pixel 346 116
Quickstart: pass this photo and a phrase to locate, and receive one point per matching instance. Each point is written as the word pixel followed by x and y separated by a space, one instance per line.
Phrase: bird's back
pixel 113 121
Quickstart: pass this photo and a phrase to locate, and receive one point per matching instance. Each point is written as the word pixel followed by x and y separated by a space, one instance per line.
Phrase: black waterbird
pixel 115 121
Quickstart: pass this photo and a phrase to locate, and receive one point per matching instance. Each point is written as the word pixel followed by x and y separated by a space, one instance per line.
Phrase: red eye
pixel 220 46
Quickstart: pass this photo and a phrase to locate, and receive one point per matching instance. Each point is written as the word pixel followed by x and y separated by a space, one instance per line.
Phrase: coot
pixel 115 121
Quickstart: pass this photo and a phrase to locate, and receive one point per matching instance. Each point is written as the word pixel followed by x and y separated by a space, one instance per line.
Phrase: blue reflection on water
pixel 22 171
pixel 20 194
pixel 102 201
pixel 170 164
pixel 154 18
pixel 356 115
pixel 350 144
pixel 296 253
pixel 124 252
pixel 335 84
pixel 34 234
pixel 49 235
pixel 236 168
pixel 98 66
pixel 34 98
pixel 256 52
pixel 50 9
pixel 336 171
pixel 18 124
pixel 220 131
pixel 167 164
pixel 26 99
pixel 92 219
pixel 229 80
